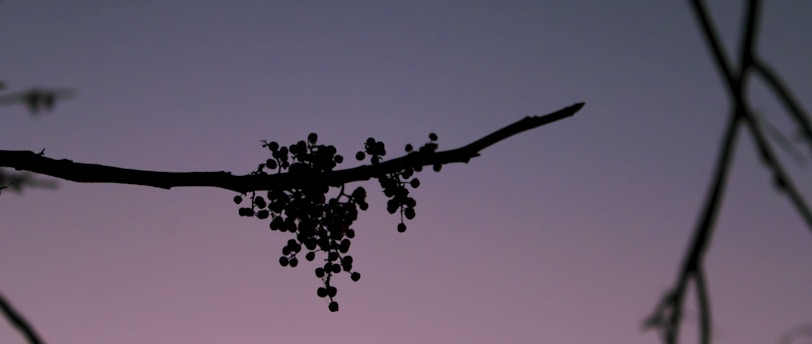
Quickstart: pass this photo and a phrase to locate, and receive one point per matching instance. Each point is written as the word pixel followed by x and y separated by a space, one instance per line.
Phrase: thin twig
pixel 780 138
pixel 19 322
pixel 780 177
pixel 792 106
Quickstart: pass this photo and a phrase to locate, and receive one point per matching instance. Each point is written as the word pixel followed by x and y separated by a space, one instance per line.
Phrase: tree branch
pixel 19 322
pixel 93 173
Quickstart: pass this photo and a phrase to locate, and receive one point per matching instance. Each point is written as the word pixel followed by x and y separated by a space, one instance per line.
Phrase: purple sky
pixel 566 234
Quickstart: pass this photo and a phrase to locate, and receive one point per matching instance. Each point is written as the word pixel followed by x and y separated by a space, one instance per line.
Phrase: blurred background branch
pixel 667 317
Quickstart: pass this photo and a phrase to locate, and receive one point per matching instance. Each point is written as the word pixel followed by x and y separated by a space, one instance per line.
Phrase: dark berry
pixel 263 214
pixel 409 213
pixel 346 260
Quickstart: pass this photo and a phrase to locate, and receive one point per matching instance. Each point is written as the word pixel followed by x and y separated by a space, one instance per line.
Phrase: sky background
pixel 569 233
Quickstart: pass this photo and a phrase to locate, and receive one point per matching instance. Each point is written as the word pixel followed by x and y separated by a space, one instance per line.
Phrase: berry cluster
pixel 319 223
pixel 394 184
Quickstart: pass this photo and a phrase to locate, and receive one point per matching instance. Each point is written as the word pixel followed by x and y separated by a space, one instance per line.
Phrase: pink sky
pixel 566 234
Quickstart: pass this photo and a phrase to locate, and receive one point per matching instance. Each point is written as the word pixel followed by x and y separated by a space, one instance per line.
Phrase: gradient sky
pixel 566 234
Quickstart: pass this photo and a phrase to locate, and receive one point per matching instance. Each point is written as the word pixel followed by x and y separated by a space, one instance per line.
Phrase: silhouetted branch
pixel 792 106
pixel 668 315
pixel 780 138
pixel 92 173
pixel 669 311
pixel 18 321
pixel 781 179
pixel 703 299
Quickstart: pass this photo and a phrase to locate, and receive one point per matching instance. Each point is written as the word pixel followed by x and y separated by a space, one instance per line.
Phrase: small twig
pixel 792 106
pixel 780 177
pixel 780 138
pixel 18 321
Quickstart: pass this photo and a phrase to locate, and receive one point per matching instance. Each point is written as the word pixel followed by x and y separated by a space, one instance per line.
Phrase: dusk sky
pixel 569 233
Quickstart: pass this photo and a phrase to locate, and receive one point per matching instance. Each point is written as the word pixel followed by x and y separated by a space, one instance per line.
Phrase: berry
pixel 359 193
pixel 333 306
pixel 263 214
pixel 346 260
pixel 401 227
pixel 355 276
pixel 409 213
pixel 433 137
pixel 237 199
pixel 360 156
pixel 312 138
pixel 283 261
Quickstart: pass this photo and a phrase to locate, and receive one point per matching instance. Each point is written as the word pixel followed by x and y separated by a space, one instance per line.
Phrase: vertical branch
pixel 668 315
pixel 703 300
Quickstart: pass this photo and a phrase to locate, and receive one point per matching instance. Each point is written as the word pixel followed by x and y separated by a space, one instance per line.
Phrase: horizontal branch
pixel 93 173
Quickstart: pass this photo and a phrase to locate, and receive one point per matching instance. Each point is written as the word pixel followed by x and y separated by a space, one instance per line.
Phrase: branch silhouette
pixel 19 322
pixel 93 173
pixel 667 317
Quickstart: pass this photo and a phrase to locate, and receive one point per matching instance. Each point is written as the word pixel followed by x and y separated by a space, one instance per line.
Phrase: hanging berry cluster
pixel 319 223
